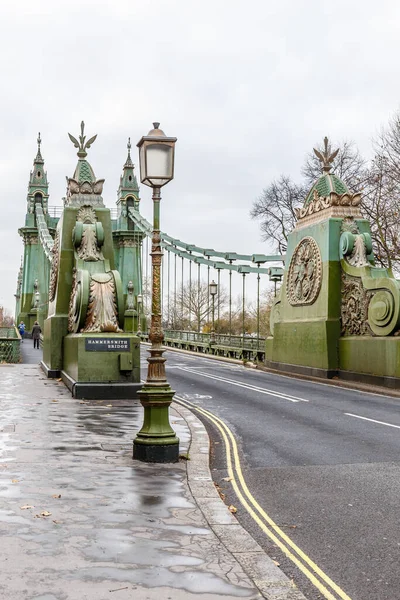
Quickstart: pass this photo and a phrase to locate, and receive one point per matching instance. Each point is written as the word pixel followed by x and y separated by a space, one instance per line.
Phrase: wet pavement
pixel 80 520
pixel 29 354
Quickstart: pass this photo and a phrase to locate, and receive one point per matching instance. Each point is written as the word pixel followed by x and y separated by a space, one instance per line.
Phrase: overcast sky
pixel 247 88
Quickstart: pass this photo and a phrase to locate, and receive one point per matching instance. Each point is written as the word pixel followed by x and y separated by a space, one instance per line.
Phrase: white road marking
pixel 195 397
pixel 246 386
pixel 373 420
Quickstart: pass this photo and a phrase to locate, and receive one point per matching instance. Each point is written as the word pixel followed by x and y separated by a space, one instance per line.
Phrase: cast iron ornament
pixel 305 273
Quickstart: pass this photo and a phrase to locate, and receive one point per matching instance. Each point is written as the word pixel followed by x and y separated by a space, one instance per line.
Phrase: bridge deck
pixel 29 354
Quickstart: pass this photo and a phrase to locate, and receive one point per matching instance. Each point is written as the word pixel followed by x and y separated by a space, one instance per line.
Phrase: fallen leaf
pixel 227 478
pixel 54 400
pixel 109 405
pixel 14 480
pixel 56 522
pixel 184 456
pixel 26 506
pixel 59 379
pixel 222 496
pixel 45 513
pixel 233 509
pixel 56 496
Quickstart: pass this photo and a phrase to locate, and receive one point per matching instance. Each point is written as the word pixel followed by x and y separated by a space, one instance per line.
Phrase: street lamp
pixel 156 441
pixel 213 290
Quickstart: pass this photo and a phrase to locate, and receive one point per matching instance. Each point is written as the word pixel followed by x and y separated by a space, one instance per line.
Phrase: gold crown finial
pixel 326 157
pixel 82 145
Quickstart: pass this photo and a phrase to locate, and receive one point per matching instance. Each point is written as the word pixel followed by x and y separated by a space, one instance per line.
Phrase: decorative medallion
pixel 305 273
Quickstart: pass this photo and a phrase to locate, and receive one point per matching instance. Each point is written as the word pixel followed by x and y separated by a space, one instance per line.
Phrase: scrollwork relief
pixel 54 267
pixel 354 309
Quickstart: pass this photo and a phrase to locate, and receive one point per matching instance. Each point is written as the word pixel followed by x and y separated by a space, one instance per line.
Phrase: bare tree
pixel 387 146
pixel 191 308
pixel 275 209
pixel 380 205
pixel 275 206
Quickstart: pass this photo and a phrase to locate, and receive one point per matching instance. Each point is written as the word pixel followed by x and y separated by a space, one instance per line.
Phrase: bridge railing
pixel 10 341
pixel 230 346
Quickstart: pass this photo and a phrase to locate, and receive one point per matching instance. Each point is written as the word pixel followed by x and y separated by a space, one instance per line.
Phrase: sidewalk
pixel 80 520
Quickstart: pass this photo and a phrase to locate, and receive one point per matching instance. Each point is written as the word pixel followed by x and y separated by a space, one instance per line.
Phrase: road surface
pixel 320 462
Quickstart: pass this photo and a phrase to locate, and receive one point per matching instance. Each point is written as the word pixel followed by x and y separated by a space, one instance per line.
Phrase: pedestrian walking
pixel 36 331
pixel 21 329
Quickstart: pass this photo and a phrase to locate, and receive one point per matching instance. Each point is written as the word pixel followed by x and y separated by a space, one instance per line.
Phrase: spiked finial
pixel 39 158
pixel 326 157
pixel 129 162
pixel 82 145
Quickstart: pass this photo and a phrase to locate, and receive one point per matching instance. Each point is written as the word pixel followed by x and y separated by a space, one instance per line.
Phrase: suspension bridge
pixel 187 273
pixel 86 269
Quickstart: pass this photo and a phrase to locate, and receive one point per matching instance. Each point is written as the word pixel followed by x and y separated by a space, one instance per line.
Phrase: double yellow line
pixel 328 588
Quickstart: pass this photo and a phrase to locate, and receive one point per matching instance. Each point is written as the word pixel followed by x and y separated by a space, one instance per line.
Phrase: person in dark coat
pixel 36 331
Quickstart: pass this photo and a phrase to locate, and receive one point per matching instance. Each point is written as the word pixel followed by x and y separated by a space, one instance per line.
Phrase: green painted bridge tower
pixel 337 313
pixel 33 281
pixel 81 277
pixel 128 240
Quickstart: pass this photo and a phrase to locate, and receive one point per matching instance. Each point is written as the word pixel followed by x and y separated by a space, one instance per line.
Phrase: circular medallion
pixel 305 273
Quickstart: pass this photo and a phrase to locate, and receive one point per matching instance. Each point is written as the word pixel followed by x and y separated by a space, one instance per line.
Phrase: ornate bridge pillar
pixel 337 314
pixel 84 338
pixel 306 317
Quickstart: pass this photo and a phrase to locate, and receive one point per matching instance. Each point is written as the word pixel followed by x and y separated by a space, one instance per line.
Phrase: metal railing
pixel 10 345
pixel 230 346
pixel 44 234
pixel 55 211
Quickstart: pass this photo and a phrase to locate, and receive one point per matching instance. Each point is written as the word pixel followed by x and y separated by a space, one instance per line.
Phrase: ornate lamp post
pixel 156 441
pixel 139 302
pixel 213 287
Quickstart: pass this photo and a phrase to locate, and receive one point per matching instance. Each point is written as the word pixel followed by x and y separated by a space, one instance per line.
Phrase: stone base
pixel 372 359
pixel 156 453
pixel 50 373
pixel 54 330
pixel 89 390
pixel 106 366
pixel 388 382
pixel 301 370
pixel 309 345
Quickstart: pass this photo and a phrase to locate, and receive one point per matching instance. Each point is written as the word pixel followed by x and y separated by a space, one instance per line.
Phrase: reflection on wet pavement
pixel 79 519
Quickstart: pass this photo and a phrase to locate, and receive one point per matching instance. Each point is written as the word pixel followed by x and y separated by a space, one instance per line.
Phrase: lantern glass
pixel 159 163
pixel 156 155
pixel 213 288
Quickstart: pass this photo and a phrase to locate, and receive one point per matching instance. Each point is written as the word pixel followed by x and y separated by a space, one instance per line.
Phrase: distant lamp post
pixel 139 303
pixel 156 441
pixel 275 275
pixel 213 287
